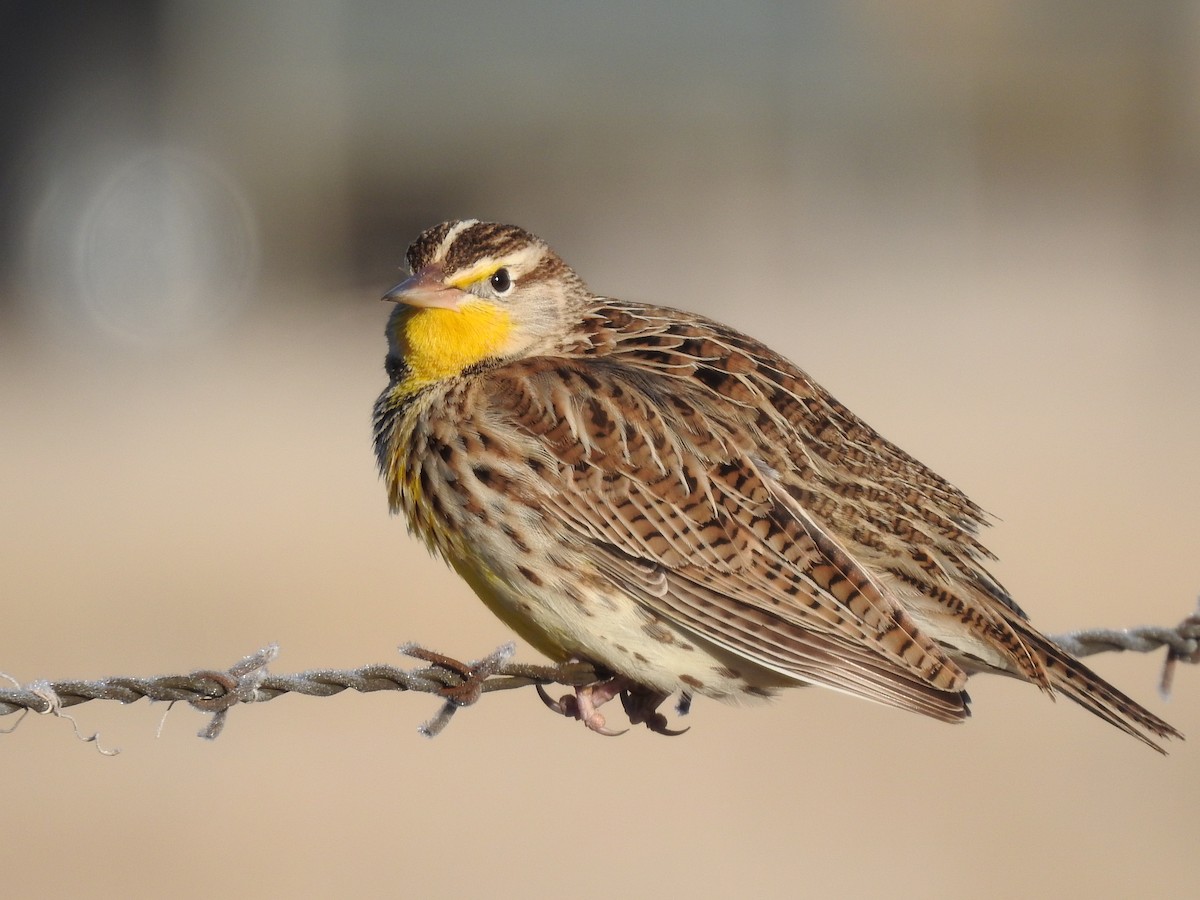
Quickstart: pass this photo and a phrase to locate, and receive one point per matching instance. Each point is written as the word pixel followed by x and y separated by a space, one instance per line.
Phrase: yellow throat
pixel 440 343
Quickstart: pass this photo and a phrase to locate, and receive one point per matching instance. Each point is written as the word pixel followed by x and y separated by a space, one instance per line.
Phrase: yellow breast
pixel 440 343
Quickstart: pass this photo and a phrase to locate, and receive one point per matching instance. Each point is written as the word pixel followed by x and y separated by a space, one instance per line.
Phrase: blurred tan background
pixel 977 224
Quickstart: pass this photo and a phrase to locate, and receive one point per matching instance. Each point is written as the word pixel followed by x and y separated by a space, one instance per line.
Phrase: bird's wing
pixel 672 505
pixel 891 513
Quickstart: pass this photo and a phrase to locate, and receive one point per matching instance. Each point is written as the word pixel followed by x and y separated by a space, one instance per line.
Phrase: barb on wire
pixel 1182 643
pixel 217 691
pixel 459 684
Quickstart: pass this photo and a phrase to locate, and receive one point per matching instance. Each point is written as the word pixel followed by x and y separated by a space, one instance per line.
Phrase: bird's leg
pixel 583 704
pixel 684 706
pixel 641 705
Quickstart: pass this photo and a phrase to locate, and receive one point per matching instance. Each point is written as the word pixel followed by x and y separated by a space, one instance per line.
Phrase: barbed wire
pixel 248 681
pixel 459 684
pixel 1182 643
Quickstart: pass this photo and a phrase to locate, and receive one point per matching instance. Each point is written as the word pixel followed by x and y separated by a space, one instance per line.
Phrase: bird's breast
pixel 436 344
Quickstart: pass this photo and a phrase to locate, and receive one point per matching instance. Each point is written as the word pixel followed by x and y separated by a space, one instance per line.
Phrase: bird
pixel 659 495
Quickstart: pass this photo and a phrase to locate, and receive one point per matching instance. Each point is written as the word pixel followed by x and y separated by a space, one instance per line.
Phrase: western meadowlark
pixel 672 501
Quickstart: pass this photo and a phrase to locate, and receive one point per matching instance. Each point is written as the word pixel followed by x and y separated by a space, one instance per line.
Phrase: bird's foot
pixel 583 704
pixel 641 705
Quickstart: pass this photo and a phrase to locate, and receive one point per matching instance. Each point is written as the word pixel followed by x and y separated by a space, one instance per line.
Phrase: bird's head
pixel 479 291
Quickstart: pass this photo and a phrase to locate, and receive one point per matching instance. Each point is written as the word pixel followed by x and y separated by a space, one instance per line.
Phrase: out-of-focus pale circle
pixel 165 247
pixel 152 246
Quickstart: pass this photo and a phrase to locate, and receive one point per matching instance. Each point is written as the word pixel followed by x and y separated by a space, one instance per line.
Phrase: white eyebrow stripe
pixel 457 229
pixel 521 262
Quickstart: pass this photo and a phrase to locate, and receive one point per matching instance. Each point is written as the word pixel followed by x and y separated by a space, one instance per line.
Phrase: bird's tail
pixel 1070 677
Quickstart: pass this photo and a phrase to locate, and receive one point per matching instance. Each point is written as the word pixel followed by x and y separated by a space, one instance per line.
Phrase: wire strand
pixel 217 691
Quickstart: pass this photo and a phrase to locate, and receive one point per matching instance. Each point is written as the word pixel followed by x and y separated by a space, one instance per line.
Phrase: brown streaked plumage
pixel 671 500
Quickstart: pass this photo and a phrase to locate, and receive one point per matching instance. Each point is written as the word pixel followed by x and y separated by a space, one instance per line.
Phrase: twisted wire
pixel 248 681
pixel 459 684
pixel 1182 643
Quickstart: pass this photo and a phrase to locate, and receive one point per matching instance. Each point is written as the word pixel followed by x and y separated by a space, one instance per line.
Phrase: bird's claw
pixel 581 706
pixel 642 708
pixel 640 704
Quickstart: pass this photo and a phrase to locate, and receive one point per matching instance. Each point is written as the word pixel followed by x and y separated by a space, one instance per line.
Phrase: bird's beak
pixel 425 289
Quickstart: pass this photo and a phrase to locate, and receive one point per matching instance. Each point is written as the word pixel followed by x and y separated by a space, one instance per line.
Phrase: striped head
pixel 478 292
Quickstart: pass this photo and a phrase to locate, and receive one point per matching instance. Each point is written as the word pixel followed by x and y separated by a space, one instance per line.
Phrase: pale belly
pixel 592 620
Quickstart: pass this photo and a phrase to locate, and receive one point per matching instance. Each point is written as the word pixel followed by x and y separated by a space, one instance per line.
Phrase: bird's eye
pixel 501 281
